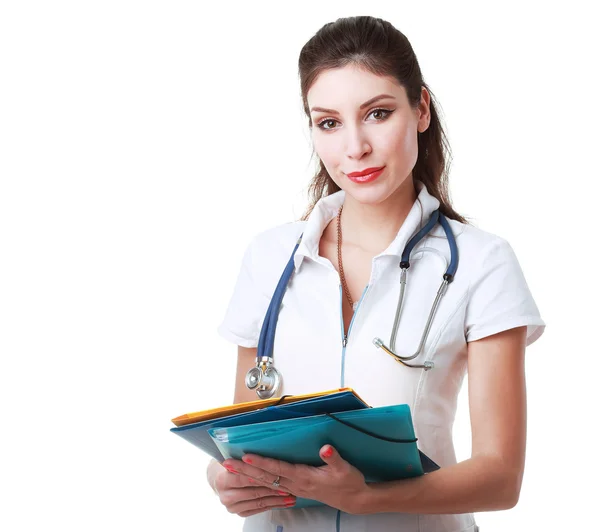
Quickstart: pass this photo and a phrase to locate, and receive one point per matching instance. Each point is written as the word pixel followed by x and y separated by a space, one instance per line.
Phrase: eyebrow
pixel 366 104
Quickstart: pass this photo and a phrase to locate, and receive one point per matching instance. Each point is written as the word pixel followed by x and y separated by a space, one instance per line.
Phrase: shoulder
pixel 276 243
pixel 473 242
pixel 480 252
pixel 488 261
pixel 270 250
pixel 498 295
pixel 280 236
pixel 479 241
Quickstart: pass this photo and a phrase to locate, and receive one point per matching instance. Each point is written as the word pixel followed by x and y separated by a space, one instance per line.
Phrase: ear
pixel 424 112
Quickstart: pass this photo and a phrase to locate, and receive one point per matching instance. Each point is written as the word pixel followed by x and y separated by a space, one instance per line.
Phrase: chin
pixel 368 194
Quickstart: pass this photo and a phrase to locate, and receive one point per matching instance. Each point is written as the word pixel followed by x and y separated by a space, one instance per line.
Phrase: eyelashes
pixel 387 113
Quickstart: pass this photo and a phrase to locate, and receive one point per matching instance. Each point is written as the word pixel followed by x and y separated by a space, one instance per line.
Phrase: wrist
pixel 364 500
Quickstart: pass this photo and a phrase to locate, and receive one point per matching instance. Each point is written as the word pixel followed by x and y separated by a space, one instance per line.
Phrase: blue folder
pixel 196 433
pixel 379 442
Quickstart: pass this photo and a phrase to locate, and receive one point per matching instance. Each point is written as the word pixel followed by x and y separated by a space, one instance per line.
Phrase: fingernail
pixel 289 500
pixel 231 470
pixel 282 492
pixel 247 460
pixel 328 452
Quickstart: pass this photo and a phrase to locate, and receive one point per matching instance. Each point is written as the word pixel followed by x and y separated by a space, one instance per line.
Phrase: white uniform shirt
pixel 489 294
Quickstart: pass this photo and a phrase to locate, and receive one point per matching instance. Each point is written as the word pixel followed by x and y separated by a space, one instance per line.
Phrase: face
pixel 352 132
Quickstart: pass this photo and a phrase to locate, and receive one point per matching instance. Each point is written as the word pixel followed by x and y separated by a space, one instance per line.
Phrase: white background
pixel 142 146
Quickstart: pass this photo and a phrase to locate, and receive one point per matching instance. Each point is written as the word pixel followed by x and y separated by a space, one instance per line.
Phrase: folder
pixel 379 442
pixel 238 408
pixel 297 406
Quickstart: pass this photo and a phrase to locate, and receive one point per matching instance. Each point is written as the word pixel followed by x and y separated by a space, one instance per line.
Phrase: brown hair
pixel 378 47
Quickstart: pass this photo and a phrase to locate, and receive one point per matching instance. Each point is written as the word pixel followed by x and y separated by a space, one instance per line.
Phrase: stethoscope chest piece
pixel 264 378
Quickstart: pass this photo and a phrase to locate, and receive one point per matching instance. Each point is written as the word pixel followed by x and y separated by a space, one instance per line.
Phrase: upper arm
pixel 246 360
pixel 497 399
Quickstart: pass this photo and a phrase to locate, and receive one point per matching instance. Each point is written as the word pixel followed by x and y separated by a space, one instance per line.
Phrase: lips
pixel 366 178
pixel 364 172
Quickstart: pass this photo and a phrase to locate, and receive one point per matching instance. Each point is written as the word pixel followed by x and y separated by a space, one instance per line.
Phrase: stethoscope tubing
pixel 266 339
pixel 264 358
pixel 447 278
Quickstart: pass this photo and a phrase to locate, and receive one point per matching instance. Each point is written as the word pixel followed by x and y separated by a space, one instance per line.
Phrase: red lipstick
pixel 366 176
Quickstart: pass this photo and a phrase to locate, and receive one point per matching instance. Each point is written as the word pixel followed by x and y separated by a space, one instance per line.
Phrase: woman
pixel 370 112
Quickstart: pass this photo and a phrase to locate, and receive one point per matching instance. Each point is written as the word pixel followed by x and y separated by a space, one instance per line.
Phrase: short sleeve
pixel 499 297
pixel 247 306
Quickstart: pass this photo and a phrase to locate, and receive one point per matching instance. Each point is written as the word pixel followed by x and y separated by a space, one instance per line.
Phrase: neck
pixel 373 227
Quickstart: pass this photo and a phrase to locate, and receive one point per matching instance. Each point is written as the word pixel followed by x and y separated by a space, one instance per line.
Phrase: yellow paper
pixel 212 413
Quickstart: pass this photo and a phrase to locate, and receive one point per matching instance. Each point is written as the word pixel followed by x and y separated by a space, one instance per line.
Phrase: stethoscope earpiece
pixel 427 365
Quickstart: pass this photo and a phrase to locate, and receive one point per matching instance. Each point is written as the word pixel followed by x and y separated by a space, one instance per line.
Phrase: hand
pixel 337 483
pixel 244 496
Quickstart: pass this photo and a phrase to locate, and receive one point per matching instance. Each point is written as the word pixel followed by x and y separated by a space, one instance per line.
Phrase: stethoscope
pixel 264 377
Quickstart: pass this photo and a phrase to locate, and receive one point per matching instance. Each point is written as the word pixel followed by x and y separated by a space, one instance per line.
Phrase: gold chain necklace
pixel 340 265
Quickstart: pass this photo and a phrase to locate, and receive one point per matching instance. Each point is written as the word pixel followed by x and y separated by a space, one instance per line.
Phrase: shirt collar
pixel 327 208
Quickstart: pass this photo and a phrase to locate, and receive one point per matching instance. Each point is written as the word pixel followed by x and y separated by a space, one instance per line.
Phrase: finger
pixel 226 481
pixel 261 504
pixel 230 497
pixel 331 457
pixel 253 512
pixel 244 481
pixel 276 467
pixel 240 480
pixel 264 477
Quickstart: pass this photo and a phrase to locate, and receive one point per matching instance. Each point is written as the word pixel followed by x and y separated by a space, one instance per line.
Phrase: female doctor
pixel 382 174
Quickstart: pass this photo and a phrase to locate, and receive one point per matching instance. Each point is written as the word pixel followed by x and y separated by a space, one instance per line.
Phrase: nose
pixel 357 143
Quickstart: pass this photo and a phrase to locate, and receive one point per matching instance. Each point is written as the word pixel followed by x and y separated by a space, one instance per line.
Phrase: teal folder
pixel 380 442
pixel 197 433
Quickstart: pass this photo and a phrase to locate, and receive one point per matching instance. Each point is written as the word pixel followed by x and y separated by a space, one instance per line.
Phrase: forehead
pixel 350 86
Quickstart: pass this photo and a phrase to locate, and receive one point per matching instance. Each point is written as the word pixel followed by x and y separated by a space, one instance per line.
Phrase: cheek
pixel 327 149
pixel 330 154
pixel 403 147
pixel 403 140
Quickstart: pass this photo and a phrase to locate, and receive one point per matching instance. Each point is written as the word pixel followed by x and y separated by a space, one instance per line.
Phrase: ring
pixel 276 482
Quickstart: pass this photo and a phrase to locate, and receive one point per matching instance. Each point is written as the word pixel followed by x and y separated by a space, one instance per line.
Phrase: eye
pixel 386 114
pixel 322 123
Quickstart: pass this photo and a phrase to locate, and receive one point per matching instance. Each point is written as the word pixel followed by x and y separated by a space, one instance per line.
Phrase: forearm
pixel 478 484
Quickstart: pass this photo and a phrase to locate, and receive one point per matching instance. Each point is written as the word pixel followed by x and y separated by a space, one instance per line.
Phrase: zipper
pixel 346 336
pixel 344 344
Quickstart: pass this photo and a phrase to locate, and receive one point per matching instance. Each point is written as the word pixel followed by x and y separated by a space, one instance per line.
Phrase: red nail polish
pixel 231 470
pixel 282 492
pixel 328 452
pixel 247 460
pixel 289 500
